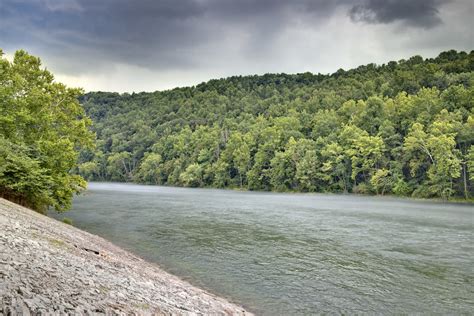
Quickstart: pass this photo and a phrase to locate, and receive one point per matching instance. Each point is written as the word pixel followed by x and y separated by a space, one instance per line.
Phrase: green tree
pixel 470 162
pixel 120 166
pixel 382 181
pixel 433 154
pixel 366 152
pixel 307 171
pixel 192 176
pixel 150 169
pixel 89 169
pixel 336 168
pixel 42 129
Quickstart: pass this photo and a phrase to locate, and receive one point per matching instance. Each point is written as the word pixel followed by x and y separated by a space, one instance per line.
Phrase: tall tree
pixel 42 129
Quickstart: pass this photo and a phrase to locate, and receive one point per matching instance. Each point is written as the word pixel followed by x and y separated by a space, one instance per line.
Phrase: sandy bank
pixel 49 267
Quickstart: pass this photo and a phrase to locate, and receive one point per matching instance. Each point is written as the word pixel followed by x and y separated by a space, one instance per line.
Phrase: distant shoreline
pixel 453 200
pixel 52 267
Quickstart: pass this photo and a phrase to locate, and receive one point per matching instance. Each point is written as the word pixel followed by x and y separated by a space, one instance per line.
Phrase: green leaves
pixel 382 181
pixel 192 176
pixel 150 170
pixel 470 162
pixel 404 128
pixel 42 129
pixel 435 154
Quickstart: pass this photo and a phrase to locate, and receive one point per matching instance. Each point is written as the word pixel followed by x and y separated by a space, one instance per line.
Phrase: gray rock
pixel 44 270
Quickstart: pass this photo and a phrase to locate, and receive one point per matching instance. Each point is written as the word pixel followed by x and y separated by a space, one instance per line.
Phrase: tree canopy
pixel 403 128
pixel 42 129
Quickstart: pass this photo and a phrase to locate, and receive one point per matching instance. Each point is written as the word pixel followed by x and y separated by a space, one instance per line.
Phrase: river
pixel 295 254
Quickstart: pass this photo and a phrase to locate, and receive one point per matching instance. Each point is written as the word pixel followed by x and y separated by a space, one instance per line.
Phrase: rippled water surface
pixel 295 254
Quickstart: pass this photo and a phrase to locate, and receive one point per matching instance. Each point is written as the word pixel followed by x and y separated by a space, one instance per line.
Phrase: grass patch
pixel 67 220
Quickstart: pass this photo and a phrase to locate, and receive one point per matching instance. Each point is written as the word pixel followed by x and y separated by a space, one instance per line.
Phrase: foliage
pixel 42 129
pixel 404 128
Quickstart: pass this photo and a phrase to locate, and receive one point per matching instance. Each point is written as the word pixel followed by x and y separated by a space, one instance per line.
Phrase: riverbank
pixel 454 199
pixel 50 267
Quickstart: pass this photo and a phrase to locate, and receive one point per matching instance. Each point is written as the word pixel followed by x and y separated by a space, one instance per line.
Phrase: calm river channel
pixel 295 254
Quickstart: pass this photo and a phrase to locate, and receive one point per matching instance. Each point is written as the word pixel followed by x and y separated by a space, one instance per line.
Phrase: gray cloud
pixel 196 39
pixel 417 13
pixel 153 34
pixel 64 6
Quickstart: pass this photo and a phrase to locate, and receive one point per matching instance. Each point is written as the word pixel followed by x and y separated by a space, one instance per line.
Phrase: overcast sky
pixel 148 45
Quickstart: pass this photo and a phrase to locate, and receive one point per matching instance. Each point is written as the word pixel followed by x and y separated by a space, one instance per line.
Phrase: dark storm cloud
pixel 146 33
pixel 79 37
pixel 418 13
pixel 169 34
pixel 164 34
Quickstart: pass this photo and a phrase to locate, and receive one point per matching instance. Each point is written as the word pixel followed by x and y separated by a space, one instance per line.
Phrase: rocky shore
pixel 48 267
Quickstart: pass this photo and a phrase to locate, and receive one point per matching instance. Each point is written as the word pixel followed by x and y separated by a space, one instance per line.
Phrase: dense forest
pixel 42 129
pixel 404 128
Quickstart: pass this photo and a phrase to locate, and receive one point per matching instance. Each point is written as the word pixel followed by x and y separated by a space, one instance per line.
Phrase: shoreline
pixel 50 267
pixel 452 200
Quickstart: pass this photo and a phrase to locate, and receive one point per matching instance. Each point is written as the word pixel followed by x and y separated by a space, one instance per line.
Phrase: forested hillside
pixel 404 128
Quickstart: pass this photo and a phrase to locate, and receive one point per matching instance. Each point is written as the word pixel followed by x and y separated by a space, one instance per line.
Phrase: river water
pixel 295 254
